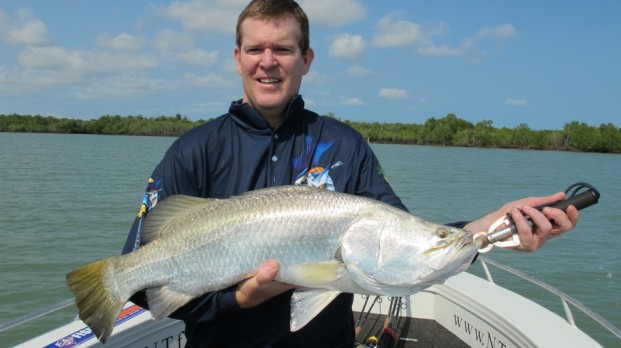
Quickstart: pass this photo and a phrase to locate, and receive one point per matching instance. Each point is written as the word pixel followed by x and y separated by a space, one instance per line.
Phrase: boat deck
pixel 412 333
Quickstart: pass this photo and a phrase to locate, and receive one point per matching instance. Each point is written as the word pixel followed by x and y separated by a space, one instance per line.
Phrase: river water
pixel 70 199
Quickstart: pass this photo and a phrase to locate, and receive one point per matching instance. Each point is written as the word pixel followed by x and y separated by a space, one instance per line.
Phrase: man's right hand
pixel 261 286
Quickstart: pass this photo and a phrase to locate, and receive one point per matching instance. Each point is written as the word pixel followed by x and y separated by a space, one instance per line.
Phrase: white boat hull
pixel 479 313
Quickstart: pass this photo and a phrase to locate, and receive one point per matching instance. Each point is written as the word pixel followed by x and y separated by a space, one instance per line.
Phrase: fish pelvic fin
pixel 97 306
pixel 163 301
pixel 306 304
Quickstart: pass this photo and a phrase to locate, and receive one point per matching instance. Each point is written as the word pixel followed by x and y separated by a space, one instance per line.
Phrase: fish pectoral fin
pixel 316 274
pixel 163 301
pixel 306 304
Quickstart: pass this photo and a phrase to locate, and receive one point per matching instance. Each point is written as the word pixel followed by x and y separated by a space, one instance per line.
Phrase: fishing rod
pixel 389 337
pixel 361 319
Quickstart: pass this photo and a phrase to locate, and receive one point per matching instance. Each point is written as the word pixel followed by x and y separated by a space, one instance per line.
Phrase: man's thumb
pixel 267 272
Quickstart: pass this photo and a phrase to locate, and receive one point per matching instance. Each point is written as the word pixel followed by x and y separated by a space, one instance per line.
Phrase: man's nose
pixel 268 59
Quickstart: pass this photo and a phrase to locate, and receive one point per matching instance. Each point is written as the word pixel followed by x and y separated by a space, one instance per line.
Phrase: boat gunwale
pixel 485 262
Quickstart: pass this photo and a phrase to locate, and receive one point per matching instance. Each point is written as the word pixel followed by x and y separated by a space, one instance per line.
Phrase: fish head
pixel 404 254
pixel 418 252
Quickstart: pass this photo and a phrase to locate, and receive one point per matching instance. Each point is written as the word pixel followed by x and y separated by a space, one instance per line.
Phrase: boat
pixel 465 311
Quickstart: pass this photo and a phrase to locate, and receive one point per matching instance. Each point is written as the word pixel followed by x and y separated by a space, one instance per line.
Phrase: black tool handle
pixel 580 201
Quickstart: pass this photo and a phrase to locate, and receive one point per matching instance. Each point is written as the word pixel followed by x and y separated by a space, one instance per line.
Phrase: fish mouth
pixel 468 246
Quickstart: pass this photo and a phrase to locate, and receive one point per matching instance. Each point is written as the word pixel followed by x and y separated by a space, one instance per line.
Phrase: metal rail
pixel 566 300
pixel 36 314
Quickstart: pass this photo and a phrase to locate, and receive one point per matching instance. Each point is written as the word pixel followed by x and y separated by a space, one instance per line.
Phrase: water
pixel 70 199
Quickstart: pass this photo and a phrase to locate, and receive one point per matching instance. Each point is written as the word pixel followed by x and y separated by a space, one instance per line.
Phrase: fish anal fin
pixel 315 274
pixel 156 223
pixel 307 304
pixel 163 301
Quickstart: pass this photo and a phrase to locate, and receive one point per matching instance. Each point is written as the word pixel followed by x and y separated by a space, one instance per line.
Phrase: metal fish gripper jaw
pixel 506 237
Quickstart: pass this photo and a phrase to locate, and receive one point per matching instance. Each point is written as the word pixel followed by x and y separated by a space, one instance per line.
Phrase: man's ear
pixel 308 59
pixel 237 57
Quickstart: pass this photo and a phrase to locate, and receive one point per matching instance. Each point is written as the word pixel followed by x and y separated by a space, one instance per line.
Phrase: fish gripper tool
pixel 507 237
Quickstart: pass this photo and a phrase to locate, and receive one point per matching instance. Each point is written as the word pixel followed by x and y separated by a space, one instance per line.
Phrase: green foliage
pixel 452 131
pixel 107 124
pixel 446 131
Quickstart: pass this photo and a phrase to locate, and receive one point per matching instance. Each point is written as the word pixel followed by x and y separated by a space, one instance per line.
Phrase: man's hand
pixel 548 223
pixel 261 286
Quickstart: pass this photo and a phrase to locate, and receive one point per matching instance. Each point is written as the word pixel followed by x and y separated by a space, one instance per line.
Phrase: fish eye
pixel 442 233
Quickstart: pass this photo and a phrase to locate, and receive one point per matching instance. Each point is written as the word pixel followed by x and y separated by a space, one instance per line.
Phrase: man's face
pixel 271 65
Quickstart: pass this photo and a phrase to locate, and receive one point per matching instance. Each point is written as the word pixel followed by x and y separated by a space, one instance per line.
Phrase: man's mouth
pixel 269 81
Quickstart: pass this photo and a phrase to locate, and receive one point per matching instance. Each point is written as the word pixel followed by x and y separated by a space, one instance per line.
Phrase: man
pixel 269 139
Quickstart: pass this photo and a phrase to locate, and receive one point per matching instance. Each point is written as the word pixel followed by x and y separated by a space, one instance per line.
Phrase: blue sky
pixel 543 63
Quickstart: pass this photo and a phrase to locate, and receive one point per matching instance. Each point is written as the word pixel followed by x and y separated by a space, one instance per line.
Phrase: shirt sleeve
pixel 369 178
pixel 170 177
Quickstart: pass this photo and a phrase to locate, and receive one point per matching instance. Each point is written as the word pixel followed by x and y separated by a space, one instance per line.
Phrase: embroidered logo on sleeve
pixel 149 201
pixel 151 196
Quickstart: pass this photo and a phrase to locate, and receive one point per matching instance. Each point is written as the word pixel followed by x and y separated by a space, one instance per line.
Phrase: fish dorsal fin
pixel 306 304
pixel 156 223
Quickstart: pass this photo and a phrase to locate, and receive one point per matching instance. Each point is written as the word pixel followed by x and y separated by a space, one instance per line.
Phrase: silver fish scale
pixel 219 243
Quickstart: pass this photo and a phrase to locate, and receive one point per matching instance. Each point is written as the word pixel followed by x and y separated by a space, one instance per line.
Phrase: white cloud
pixel 179 47
pixel 198 57
pixel 347 46
pixel 210 81
pixel 52 58
pixel 393 93
pixel 24 30
pixel 123 86
pixel 516 102
pixel 358 71
pixel 315 78
pixel 121 42
pixel 221 15
pixel 353 101
pixel 333 13
pixel 84 62
pixel 502 32
pixel 207 16
pixel 442 50
pixel 168 40
pixel 473 44
pixel 396 33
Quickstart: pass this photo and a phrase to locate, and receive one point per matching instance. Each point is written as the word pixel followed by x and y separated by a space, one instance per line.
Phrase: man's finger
pixel 267 272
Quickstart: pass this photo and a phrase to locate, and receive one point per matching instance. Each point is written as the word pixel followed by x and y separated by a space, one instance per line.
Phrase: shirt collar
pixel 249 118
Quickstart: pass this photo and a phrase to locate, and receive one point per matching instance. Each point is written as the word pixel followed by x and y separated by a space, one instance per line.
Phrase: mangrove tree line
pixel 446 131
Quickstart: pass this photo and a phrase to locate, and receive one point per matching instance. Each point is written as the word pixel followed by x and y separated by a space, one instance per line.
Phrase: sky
pixel 540 63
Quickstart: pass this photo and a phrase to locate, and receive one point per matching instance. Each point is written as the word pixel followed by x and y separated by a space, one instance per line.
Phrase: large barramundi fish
pixel 326 243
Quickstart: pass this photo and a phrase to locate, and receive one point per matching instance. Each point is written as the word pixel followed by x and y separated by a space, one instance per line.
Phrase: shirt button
pixel 276 136
pixel 274 158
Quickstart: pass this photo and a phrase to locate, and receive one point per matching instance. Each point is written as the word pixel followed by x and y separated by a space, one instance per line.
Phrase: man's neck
pixel 273 116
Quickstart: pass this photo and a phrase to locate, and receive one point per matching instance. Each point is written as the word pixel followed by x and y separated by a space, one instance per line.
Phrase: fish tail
pixel 97 306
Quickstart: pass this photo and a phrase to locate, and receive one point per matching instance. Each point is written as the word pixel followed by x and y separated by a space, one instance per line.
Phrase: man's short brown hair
pixel 273 10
